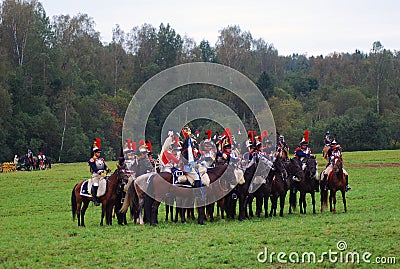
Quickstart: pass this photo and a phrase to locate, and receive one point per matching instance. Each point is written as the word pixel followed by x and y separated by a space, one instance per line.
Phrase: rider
pixel 144 163
pixel 303 152
pixel 334 150
pixel 98 168
pixel 327 140
pixel 224 157
pixel 282 146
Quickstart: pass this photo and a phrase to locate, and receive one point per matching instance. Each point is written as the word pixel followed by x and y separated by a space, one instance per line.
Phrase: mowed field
pixel 37 230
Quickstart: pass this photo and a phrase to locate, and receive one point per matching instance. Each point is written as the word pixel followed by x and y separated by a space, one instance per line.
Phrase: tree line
pixel 60 86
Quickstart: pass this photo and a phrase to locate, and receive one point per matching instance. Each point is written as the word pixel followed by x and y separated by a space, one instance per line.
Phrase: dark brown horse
pixel 336 182
pixel 306 185
pixel 279 185
pixel 107 200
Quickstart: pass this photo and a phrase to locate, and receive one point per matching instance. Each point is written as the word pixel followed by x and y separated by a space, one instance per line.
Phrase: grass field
pixel 37 230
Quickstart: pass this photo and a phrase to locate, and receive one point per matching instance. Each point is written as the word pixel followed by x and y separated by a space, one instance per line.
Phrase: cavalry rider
pixel 98 168
pixel 207 151
pixel 303 152
pixel 190 156
pixel 282 147
pixel 334 151
pixel 169 153
pixel 327 139
pixel 144 163
pixel 224 156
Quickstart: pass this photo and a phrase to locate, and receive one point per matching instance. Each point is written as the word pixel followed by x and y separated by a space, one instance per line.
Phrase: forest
pixel 61 86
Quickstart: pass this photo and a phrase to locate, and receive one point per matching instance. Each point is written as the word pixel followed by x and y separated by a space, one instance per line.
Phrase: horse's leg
pixel 273 205
pixel 313 201
pixel 242 207
pixel 282 203
pixel 330 200
pixel 78 212
pixel 154 213
pixel 250 199
pixel 266 198
pixel 83 211
pixel 334 202
pixel 166 211
pixel 344 200
pixel 301 203
pixel 103 213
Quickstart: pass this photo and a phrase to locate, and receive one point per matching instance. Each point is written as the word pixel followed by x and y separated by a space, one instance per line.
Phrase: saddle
pixel 100 191
pixel 186 179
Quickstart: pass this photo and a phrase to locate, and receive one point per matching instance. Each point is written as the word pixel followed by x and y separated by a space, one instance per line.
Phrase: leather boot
pixel 96 201
pixel 347 183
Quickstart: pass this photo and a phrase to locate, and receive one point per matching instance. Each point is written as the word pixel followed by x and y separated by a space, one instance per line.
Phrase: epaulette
pixel 91 160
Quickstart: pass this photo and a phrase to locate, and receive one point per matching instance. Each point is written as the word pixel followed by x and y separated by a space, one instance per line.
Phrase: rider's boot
pixel 347 183
pixel 96 201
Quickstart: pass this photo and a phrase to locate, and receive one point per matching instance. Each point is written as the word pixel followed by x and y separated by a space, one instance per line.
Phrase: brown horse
pixel 107 200
pixel 336 182
pixel 160 186
pixel 278 185
pixel 325 151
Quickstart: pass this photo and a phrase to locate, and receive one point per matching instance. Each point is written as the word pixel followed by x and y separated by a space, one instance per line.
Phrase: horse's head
pixel 294 169
pixel 311 169
pixel 337 164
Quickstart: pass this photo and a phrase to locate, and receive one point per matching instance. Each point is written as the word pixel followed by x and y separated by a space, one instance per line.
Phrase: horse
pixel 325 151
pixel 336 182
pixel 262 194
pixel 121 217
pixel 279 185
pixel 308 185
pixel 107 200
pixel 160 185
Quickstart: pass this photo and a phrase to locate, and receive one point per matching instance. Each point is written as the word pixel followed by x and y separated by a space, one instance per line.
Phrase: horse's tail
pixel 73 203
pixel 128 197
pixel 292 199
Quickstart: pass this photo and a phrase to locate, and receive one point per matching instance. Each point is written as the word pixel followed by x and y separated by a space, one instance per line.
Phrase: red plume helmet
pixel 97 143
pixel 306 136
pixel 141 142
pixel 149 146
pixel 134 145
pixel 209 133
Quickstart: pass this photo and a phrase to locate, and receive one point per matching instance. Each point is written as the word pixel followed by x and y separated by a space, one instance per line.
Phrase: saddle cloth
pixel 100 191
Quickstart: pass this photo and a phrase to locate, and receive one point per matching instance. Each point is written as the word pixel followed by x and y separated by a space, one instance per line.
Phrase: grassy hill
pixel 38 231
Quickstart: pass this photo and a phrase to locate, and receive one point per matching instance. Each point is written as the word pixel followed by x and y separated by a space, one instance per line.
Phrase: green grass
pixel 38 231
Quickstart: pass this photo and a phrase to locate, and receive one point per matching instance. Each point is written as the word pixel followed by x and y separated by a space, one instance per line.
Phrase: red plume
pixel 141 142
pixel 306 135
pixel 228 134
pixel 129 145
pixel 209 133
pixel 97 141
pixel 250 135
pixel 176 141
pixel 134 145
pixel 185 134
pixel 265 133
pixel 149 146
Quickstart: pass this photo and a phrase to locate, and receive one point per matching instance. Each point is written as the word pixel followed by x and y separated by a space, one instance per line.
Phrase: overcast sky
pixel 311 27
